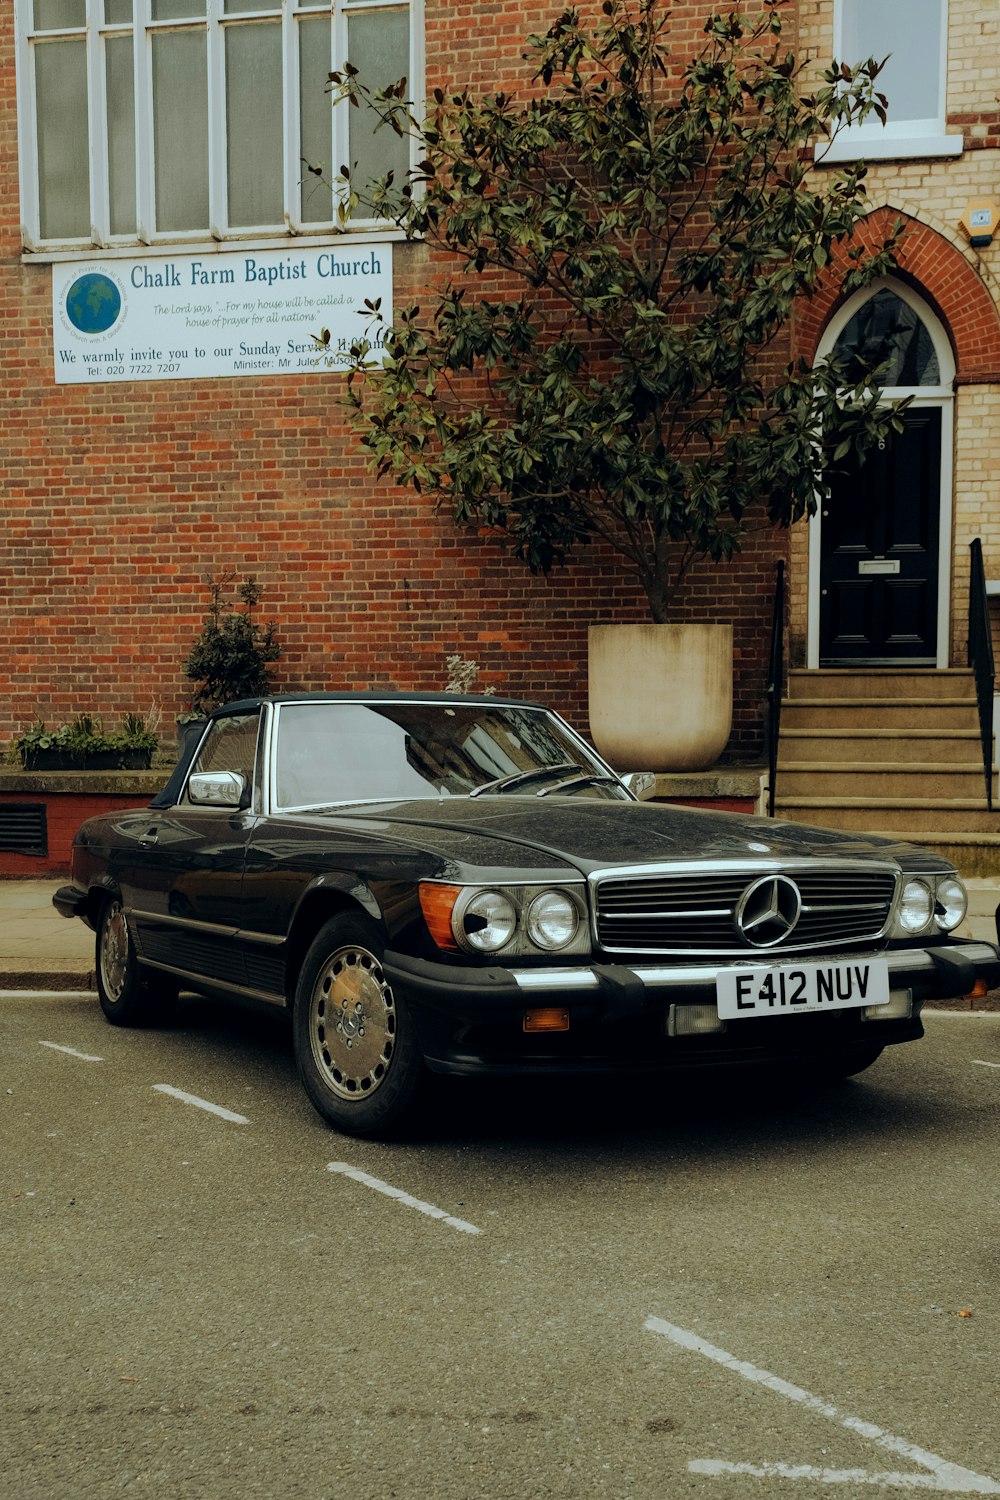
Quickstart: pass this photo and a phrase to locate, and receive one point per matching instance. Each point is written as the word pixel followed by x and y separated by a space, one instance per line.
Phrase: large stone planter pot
pixel 661 696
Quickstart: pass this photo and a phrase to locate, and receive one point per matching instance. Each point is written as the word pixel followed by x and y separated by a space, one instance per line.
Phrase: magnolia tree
pixel 623 250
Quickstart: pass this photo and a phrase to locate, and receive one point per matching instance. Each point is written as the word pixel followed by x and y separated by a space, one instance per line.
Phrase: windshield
pixel 355 752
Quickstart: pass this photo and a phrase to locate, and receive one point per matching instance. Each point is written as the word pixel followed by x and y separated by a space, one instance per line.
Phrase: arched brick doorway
pixel 882 559
pixel 939 272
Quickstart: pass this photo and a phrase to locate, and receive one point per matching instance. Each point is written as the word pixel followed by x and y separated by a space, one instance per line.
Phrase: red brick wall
pixel 63 816
pixel 119 500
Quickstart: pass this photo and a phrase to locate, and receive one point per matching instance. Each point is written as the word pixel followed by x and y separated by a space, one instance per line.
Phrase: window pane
pixel 117 12
pixel 911 31
pixel 121 133
pixel 177 10
pixel 236 7
pixel 316 116
pixel 180 130
pixel 63 153
pixel 888 335
pixel 230 746
pixel 378 45
pixel 254 124
pixel 53 15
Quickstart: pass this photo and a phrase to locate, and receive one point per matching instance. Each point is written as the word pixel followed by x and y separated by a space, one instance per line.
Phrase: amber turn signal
pixel 437 902
pixel 979 989
pixel 549 1019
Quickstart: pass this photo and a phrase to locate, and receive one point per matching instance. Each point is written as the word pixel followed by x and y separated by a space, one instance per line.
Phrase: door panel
pixel 185 890
pixel 186 881
pixel 879 551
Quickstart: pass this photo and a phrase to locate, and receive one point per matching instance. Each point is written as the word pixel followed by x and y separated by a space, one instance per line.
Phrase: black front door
pixel 879 551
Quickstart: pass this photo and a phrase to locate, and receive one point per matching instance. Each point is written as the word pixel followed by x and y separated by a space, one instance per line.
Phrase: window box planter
pixel 51 760
pixel 102 760
pixel 135 760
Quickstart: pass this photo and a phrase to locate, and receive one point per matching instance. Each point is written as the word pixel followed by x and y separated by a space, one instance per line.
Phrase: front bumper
pixel 470 1019
pixel 71 901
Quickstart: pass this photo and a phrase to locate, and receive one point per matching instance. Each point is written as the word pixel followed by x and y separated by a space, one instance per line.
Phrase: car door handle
pixel 150 836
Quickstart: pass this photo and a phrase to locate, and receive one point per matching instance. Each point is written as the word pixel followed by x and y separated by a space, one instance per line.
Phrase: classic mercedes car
pixel 460 885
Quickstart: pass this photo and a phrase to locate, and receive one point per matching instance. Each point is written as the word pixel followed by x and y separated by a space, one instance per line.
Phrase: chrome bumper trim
pixel 688 976
pixel 556 979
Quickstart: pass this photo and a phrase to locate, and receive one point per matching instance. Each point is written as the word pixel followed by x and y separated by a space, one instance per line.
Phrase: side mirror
pixel 642 784
pixel 217 788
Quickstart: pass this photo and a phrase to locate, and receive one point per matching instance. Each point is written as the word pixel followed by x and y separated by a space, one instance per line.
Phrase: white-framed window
pixel 149 121
pixel 913 36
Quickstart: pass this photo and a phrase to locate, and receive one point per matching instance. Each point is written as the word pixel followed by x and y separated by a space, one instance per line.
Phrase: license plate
pixel 801 987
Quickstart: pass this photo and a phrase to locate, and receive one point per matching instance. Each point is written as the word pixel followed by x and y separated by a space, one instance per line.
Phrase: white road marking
pixel 346 1170
pixel 943 1476
pixel 980 1064
pixel 715 1469
pixel 213 1109
pixel 71 1052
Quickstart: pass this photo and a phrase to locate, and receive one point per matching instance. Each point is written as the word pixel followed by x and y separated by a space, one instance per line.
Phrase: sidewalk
pixel 39 949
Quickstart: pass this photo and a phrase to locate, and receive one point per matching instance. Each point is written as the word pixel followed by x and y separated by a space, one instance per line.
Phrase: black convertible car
pixel 461 885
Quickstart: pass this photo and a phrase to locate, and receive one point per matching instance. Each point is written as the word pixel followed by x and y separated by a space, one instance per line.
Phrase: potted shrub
pixel 95 750
pixel 626 248
pixel 232 656
pixel 137 740
pixel 43 749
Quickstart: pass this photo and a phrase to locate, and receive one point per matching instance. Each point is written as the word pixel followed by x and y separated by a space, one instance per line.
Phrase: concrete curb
pixel 47 979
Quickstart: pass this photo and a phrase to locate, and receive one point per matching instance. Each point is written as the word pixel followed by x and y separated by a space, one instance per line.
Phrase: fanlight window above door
pixel 889 335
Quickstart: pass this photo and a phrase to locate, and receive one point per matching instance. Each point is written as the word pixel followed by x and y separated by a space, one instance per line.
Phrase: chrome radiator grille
pixel 696 912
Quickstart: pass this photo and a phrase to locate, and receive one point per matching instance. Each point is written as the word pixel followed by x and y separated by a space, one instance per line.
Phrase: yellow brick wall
pixel 937 192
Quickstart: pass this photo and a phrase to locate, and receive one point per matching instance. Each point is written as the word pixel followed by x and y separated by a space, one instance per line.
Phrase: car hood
pixel 592 835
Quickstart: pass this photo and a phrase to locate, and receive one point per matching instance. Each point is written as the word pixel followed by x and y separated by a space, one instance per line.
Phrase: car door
pixel 185 885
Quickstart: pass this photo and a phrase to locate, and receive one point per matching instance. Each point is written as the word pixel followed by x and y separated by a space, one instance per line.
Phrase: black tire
pixel 356 1048
pixel 130 994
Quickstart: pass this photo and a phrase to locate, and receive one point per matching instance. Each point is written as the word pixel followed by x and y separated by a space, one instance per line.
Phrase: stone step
pixel 880 713
pixel 836 779
pixel 904 815
pixel 882 682
pixel 984 898
pixel 882 745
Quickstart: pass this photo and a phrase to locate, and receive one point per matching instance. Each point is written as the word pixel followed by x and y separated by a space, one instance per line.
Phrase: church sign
pixel 212 314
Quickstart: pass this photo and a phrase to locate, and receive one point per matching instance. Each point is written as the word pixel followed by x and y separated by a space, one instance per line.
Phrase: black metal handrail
pixel 981 659
pixel 775 684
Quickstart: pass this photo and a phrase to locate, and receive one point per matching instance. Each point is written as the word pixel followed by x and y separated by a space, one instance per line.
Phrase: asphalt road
pixel 592 1294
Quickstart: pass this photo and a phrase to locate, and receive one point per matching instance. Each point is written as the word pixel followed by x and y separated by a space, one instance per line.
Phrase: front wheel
pixel 130 994
pixel 356 1049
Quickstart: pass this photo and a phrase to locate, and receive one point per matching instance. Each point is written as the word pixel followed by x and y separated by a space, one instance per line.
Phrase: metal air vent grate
pixel 23 828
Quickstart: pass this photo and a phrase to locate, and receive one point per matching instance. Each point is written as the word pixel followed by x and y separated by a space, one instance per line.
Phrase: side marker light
pixel 548 1019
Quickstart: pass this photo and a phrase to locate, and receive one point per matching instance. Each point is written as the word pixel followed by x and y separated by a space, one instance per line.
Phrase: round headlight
pixel 952 903
pixel 916 906
pixel 488 921
pixel 552 920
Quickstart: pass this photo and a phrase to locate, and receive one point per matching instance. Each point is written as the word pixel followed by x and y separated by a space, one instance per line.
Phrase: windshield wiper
pixel 575 781
pixel 521 778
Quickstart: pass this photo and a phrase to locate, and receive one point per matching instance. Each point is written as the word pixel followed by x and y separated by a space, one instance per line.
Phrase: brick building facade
pixel 121 497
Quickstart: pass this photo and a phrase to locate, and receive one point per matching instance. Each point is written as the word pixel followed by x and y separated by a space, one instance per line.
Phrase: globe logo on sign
pixel 93 303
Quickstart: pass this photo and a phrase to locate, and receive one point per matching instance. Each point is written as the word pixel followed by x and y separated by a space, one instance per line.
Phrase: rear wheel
pixel 356 1049
pixel 130 994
